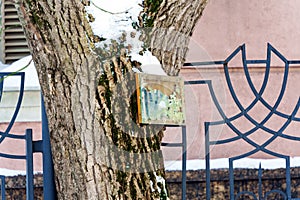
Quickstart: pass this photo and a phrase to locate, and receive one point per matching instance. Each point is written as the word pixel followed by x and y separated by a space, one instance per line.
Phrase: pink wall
pixel 13 146
pixel 225 25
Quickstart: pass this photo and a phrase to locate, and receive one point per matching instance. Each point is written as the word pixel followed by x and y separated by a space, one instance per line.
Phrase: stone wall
pixel 16 187
pixel 245 179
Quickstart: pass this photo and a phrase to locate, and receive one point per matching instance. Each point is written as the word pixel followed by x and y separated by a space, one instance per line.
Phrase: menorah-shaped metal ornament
pixel 258 125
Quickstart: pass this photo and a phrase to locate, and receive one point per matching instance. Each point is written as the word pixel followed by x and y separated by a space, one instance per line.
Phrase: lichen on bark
pixel 117 105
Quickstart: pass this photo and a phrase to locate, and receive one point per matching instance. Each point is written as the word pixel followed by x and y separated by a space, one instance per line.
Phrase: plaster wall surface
pixel 227 24
pixel 224 26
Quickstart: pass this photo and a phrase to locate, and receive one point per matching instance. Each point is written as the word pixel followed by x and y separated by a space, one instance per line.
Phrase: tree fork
pixel 99 152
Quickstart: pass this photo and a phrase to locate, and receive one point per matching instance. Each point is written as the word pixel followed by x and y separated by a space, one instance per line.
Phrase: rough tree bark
pixel 99 152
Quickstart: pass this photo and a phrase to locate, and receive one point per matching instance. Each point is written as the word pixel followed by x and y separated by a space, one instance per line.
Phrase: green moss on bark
pixel 149 13
pixel 120 130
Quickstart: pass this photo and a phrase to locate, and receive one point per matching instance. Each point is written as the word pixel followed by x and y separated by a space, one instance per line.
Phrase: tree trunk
pixel 99 151
pixel 172 25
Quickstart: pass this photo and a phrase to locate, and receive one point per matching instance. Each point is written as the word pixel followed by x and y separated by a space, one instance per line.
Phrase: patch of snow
pixel 111 26
pixel 151 186
pixel 248 163
pixel 10 172
pixel 135 70
pixel 108 25
pixel 161 180
pixel 31 78
pixel 149 63
pixel 133 40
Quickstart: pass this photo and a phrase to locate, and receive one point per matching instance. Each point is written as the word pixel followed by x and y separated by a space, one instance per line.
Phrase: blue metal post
pixel 29 165
pixel 207 161
pixel 48 171
pixel 288 177
pixel 183 163
pixel 184 148
pixel 231 179
pixel 2 187
pixel 260 191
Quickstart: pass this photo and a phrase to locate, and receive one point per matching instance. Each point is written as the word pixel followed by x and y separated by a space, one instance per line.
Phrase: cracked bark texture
pixel 99 152
pixel 173 26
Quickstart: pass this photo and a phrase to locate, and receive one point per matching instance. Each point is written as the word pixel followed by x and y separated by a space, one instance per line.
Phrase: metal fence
pixel 258 125
pixel 43 146
pixel 31 147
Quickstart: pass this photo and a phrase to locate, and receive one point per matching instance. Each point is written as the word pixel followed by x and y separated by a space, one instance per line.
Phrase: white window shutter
pixel 14 44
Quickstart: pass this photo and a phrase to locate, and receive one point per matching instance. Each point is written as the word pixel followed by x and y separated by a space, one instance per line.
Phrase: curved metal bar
pixel 238 103
pixel 276 134
pixel 289 137
pixel 227 121
pixel 258 95
pixel 265 144
pixel 275 191
pixel 280 114
pixel 242 48
pixel 18 106
pixel 257 150
pixel 248 78
pixel 258 125
pixel 221 112
pixel 284 126
pixel 4 155
pixel 245 192
pixel 280 131
pixel 259 147
pixel 239 134
pixel 216 102
pixel 231 175
pixel 14 136
pixel 289 120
